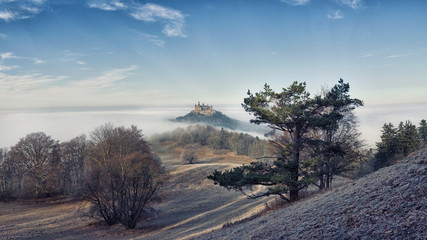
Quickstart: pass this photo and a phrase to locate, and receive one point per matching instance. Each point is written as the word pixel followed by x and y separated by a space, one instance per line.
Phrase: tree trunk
pixel 294 170
pixel 328 178
pixel 293 195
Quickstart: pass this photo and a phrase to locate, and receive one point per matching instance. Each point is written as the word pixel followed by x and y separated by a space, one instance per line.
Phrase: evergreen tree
pixel 422 131
pixel 387 148
pixel 396 142
pixel 294 115
pixel 408 137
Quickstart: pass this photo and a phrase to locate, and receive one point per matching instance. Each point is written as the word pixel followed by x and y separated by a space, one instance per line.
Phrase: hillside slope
pixel 191 206
pixel 388 204
pixel 218 119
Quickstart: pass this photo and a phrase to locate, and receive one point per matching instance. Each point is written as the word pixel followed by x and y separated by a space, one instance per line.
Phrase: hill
pixel 218 119
pixel 388 204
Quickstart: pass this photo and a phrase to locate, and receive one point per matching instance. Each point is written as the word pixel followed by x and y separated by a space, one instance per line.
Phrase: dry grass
pixel 192 206
pixel 387 204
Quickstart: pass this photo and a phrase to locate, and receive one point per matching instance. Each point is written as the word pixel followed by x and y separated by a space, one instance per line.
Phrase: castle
pixel 203 109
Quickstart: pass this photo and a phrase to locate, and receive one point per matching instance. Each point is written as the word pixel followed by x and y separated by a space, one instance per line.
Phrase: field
pixel 192 206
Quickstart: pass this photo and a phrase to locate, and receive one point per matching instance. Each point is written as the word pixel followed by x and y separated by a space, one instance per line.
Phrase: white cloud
pixel 354 4
pixel 70 56
pixel 11 55
pixel 3 36
pixel 370 54
pixel 7 15
pixel 107 79
pixel 7 68
pixel 38 61
pixel 108 5
pixel 17 10
pixel 296 2
pixel 38 90
pixel 8 55
pixel 173 20
pixel 335 14
pixel 156 40
pixel 11 84
pixel 394 56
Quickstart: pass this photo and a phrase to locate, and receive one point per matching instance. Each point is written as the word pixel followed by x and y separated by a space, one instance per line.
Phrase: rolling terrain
pixel 192 205
pixel 387 204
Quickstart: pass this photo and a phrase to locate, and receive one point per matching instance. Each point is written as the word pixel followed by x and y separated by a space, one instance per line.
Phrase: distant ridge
pixel 207 115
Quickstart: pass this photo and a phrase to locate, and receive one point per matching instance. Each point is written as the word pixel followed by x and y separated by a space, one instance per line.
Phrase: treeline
pixel 398 142
pixel 114 169
pixel 217 139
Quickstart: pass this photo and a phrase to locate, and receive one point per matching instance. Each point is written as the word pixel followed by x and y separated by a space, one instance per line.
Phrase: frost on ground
pixel 388 204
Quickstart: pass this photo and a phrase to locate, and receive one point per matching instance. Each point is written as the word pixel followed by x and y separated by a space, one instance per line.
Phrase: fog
pixel 65 123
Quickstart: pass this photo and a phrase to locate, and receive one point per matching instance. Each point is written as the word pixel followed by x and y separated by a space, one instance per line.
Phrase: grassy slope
pixel 192 206
pixel 388 204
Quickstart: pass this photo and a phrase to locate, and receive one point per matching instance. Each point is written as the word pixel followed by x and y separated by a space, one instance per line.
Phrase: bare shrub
pixel 190 153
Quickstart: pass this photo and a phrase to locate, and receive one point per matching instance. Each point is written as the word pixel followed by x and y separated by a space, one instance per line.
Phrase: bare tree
pixel 73 155
pixel 190 153
pixel 5 174
pixel 125 176
pixel 38 156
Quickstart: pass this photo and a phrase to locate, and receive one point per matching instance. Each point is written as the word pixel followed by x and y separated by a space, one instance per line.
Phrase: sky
pixel 96 53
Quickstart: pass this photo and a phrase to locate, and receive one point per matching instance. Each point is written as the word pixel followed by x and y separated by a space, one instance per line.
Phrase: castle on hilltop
pixel 203 109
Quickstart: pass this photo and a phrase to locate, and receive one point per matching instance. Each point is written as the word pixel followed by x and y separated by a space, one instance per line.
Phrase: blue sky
pixel 104 52
pixel 99 53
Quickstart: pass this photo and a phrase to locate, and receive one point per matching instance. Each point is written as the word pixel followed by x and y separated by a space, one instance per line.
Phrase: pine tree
pixel 293 116
pixel 408 138
pixel 422 131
